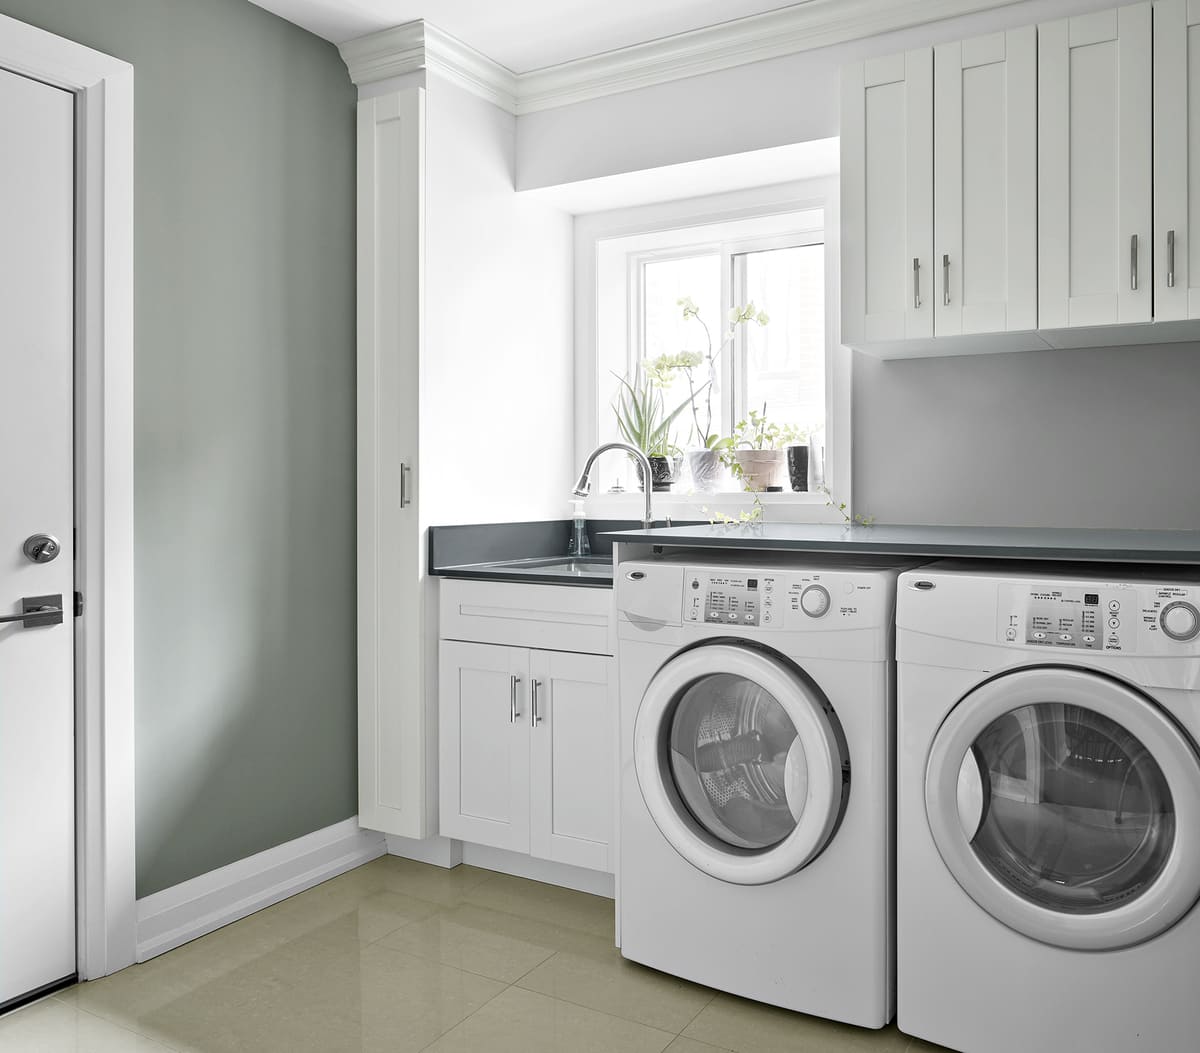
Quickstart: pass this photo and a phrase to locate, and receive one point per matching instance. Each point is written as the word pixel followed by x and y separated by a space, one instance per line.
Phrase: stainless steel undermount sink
pixel 567 566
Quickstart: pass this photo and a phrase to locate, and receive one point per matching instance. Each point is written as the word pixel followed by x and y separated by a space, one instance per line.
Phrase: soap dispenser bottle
pixel 579 544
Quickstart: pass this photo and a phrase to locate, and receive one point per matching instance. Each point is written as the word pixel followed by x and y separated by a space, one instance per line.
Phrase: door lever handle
pixel 37 610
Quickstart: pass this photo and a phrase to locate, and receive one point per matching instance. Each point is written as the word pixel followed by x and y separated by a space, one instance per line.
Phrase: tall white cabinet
pixel 1094 169
pixel 393 714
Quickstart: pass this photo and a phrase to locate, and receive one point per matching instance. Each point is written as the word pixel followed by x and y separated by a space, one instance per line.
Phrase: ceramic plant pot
pixel 797 460
pixel 760 468
pixel 705 469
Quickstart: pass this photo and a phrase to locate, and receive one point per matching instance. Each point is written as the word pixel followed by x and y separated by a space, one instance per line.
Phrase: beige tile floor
pixel 398 956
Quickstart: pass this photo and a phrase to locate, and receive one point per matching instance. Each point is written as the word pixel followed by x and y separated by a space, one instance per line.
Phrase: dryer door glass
pixel 1067 805
pixel 737 761
pixel 1077 816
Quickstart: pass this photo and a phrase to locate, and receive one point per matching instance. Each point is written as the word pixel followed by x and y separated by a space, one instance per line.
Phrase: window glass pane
pixel 667 332
pixel 1079 817
pixel 784 365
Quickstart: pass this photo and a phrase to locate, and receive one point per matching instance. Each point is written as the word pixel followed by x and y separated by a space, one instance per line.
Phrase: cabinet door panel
pixel 1094 169
pixel 887 198
pixel 572 760
pixel 484 745
pixel 985 178
pixel 1176 159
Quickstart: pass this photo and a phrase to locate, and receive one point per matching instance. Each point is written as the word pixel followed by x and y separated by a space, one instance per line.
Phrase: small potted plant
pixel 704 458
pixel 643 421
pixel 756 450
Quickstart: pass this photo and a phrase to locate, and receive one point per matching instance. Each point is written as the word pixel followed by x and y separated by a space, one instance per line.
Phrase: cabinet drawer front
pixel 551 617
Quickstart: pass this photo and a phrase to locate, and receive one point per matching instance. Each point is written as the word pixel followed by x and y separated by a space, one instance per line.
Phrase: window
pixel 629 291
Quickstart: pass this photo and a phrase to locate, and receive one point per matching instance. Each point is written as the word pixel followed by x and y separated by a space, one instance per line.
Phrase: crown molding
pixel 786 31
pixel 421 45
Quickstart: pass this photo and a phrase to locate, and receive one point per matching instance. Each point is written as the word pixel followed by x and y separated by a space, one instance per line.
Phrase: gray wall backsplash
pixel 1090 438
pixel 244 424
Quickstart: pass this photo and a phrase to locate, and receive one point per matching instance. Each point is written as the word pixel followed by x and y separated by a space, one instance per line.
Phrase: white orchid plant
pixel 700 367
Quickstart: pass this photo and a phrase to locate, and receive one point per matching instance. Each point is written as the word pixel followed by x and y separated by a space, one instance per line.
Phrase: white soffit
pixel 692 179
pixel 786 31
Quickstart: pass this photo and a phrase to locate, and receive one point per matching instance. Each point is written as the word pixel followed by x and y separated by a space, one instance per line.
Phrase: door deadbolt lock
pixel 41 548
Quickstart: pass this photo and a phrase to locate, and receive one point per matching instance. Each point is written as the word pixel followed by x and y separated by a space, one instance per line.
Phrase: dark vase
pixel 662 472
pixel 798 467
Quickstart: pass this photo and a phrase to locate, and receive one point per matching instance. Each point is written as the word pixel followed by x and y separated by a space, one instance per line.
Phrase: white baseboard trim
pixel 193 908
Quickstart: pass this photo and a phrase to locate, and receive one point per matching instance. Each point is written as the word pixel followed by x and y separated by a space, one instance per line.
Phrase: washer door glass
pixel 1067 805
pixel 741 762
pixel 737 761
pixel 1078 815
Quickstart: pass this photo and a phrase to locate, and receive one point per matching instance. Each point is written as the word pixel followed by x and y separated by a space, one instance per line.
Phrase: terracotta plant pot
pixel 705 469
pixel 760 468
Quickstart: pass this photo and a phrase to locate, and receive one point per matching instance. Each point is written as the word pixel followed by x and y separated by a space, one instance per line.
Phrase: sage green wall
pixel 244 424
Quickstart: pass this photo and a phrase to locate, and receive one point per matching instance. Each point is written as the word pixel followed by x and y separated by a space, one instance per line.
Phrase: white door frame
pixel 106 850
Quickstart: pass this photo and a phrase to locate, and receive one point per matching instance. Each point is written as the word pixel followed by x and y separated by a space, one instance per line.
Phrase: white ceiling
pixel 522 34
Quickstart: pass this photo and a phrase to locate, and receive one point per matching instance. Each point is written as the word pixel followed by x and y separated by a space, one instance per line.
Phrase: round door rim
pixel 1172 893
pixel 822 748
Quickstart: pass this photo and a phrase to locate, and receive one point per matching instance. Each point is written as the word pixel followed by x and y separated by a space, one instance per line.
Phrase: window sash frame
pixel 602 315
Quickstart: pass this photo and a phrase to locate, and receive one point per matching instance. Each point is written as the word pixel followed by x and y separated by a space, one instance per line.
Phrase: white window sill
pixel 787 507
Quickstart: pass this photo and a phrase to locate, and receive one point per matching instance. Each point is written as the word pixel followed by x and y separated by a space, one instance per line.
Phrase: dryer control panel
pixel 1109 617
pixel 777 600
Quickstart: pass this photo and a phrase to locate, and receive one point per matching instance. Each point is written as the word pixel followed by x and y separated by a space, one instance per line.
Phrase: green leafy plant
pixel 858 519
pixel 642 418
pixel 663 368
pixel 746 516
pixel 756 432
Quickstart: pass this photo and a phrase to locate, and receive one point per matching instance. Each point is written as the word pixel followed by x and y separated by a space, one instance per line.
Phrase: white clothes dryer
pixel 1049 807
pixel 755 850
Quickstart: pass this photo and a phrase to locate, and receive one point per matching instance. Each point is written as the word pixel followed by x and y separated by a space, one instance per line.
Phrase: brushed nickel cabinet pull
pixel 1133 275
pixel 916 283
pixel 534 717
pixel 945 281
pixel 514 714
pixel 1170 259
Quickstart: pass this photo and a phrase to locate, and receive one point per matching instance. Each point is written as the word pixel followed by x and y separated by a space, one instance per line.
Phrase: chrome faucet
pixel 584 485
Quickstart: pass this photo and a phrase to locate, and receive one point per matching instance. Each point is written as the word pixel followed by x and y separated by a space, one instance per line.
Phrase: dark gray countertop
pixel 1123 546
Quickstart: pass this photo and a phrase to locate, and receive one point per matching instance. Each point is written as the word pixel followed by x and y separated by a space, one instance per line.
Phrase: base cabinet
pixel 526 751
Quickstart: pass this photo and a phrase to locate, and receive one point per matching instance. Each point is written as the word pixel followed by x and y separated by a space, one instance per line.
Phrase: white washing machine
pixel 756 830
pixel 1049 808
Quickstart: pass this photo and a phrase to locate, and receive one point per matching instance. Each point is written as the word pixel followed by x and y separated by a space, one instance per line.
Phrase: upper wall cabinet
pixel 887 193
pixel 985 177
pixel 1176 159
pixel 1064 188
pixel 1094 169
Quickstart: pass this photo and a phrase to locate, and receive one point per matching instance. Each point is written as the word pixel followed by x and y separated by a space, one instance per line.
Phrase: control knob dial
pixel 1180 621
pixel 814 601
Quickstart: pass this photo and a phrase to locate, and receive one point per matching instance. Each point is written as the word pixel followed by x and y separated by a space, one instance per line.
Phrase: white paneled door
pixel 887 198
pixel 1094 169
pixel 572 759
pixel 1176 159
pixel 37 753
pixel 484 744
pixel 985 178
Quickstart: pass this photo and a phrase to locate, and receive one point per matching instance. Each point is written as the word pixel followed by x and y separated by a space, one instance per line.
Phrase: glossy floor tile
pixel 398 956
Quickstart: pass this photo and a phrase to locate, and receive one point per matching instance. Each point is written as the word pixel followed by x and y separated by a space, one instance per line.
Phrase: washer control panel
pixel 778 600
pixel 1109 617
